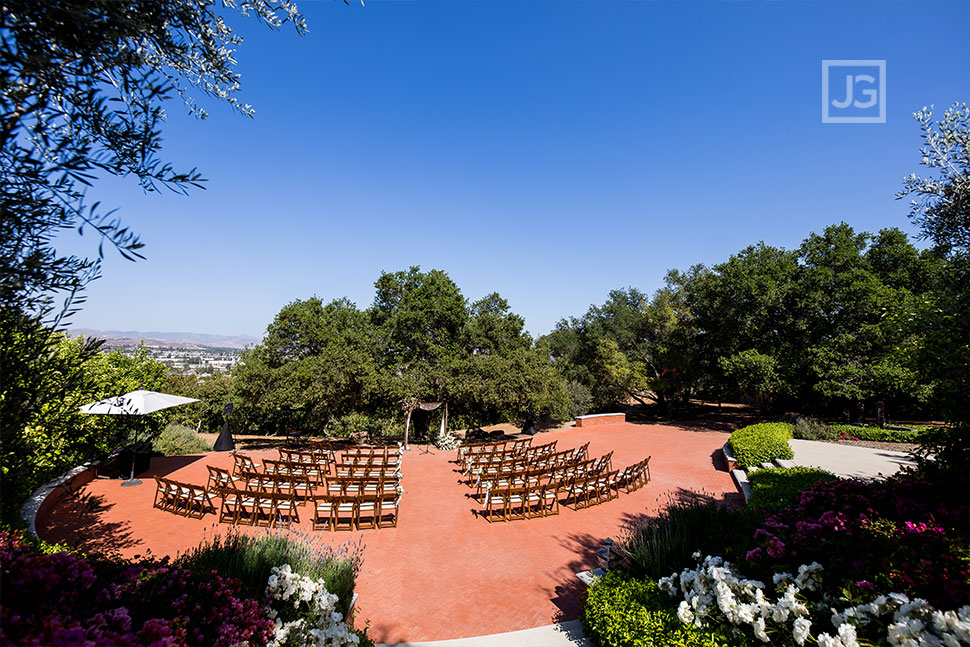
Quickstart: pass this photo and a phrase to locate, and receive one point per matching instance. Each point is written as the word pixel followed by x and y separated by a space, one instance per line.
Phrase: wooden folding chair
pixel 368 511
pixel 165 494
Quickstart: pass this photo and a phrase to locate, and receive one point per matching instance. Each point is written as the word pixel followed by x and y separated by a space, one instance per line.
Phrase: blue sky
pixel 549 151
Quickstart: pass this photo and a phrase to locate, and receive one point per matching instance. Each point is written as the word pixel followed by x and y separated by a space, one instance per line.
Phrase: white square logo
pixel 854 92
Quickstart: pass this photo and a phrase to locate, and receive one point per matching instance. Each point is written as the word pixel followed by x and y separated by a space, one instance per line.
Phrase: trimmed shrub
pixel 250 560
pixel 761 443
pixel 177 440
pixel 621 611
pixel 774 489
pixel 879 435
pixel 656 547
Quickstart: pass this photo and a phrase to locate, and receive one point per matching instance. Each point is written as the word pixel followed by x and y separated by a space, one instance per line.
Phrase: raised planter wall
pixel 50 493
pixel 600 419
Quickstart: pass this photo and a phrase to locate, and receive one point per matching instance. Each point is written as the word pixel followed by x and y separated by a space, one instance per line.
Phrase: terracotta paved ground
pixel 443 572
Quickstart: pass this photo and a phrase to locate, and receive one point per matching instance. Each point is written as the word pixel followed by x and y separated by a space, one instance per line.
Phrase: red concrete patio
pixel 443 572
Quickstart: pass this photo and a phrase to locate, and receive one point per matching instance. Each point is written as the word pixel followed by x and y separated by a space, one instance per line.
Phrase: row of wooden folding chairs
pixel 590 490
pixel 557 475
pixel 546 464
pixel 183 499
pixel 538 451
pixel 389 453
pixel 363 485
pixel 634 477
pixel 355 511
pixel 366 471
pixel 521 502
pixel 313 472
pixel 469 454
pixel 320 459
pixel 468 449
pixel 382 462
pixel 258 508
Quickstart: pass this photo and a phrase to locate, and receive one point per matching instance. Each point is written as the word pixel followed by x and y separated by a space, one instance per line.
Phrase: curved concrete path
pixel 848 461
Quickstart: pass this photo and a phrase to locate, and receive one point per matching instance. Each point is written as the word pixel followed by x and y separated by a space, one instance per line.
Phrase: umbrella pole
pixel 132 481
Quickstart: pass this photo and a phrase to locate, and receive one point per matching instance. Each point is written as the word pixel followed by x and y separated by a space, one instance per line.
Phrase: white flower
pixel 847 635
pixel 684 614
pixel 759 630
pixel 800 631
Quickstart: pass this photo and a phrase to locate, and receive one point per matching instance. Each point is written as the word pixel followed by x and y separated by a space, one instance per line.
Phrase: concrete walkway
pixel 849 461
pixel 565 634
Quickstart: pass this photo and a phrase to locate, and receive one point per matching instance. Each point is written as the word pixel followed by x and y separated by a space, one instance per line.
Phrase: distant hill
pixel 167 339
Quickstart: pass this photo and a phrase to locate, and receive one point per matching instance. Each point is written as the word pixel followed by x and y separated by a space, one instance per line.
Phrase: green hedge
pixel 775 489
pixel 621 611
pixel 881 435
pixel 761 443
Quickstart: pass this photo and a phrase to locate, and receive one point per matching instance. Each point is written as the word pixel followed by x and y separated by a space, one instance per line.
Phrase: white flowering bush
pixel 305 612
pixel 715 593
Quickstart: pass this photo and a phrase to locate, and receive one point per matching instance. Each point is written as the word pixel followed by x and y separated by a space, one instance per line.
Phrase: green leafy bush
pixel 250 559
pixel 756 444
pixel 880 435
pixel 656 547
pixel 812 429
pixel 621 611
pixel 774 489
pixel 343 426
pixel 176 440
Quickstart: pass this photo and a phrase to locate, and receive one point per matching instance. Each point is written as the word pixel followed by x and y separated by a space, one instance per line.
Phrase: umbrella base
pixel 130 483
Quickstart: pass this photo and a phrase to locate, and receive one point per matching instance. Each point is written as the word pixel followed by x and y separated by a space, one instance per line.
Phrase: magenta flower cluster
pixel 65 599
pixel 904 534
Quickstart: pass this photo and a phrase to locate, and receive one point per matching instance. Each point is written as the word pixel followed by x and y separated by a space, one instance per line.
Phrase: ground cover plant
pixel 651 545
pixel 761 443
pixel 623 611
pixel 251 559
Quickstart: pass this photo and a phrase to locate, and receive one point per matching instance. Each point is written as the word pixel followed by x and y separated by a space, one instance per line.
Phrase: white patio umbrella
pixel 136 403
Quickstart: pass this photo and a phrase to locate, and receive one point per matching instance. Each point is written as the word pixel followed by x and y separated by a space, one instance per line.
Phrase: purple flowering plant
pixel 67 599
pixel 904 534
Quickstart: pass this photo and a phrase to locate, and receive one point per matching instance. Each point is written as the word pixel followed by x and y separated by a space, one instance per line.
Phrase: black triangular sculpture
pixel 529 427
pixel 224 443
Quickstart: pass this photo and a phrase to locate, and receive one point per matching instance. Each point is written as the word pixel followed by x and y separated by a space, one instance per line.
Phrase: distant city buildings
pixel 195 361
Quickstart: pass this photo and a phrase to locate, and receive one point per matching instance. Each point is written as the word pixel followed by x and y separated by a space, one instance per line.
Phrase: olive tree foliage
pixel 83 86
pixel 941 202
pixel 82 89
pixel 941 208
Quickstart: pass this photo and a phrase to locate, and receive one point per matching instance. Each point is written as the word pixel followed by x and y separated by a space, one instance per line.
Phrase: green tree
pixel 316 363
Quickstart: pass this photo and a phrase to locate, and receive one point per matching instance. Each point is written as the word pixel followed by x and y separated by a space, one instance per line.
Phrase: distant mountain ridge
pixel 168 339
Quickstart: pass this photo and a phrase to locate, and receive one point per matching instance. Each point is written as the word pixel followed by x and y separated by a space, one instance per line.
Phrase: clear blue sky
pixel 549 151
